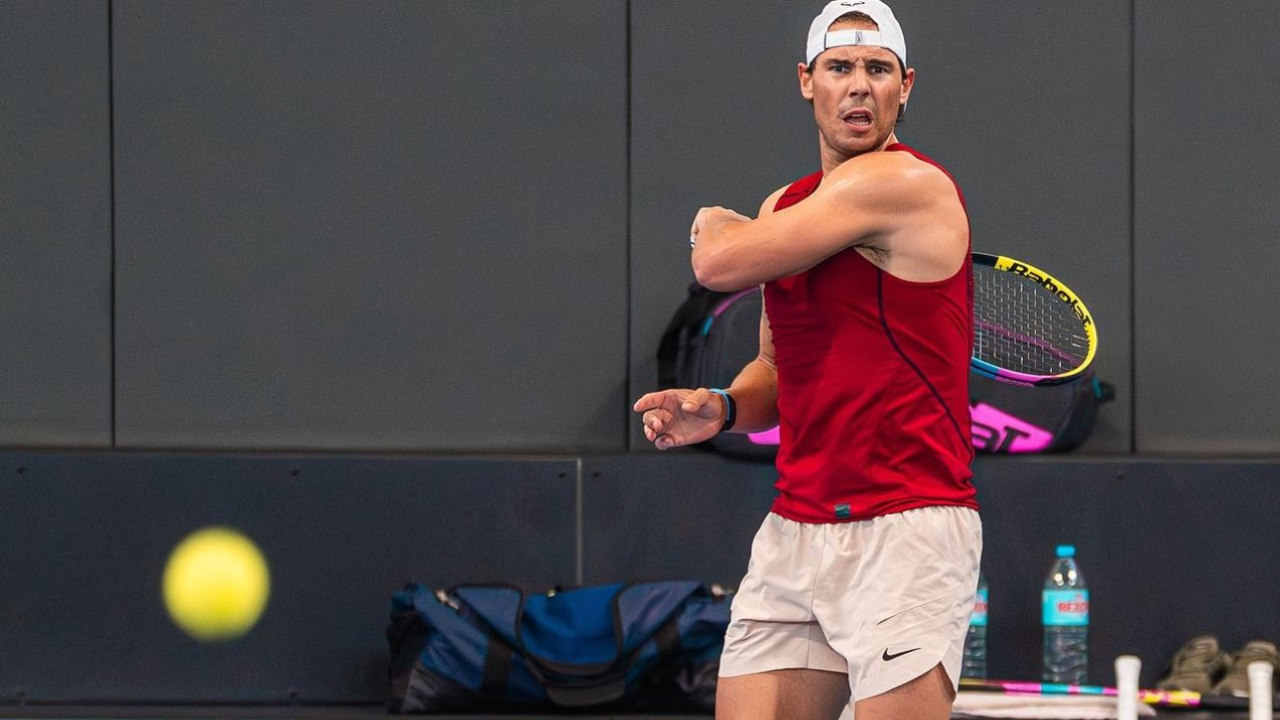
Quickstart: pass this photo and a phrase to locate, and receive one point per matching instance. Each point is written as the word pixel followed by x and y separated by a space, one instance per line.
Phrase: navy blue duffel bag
pixel 493 648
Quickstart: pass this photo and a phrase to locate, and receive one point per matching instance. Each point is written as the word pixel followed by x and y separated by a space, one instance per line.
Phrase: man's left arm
pixel 865 202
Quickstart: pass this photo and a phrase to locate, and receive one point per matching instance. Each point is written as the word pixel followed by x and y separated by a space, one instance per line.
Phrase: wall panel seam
pixel 626 184
pixel 111 160
pixel 1133 226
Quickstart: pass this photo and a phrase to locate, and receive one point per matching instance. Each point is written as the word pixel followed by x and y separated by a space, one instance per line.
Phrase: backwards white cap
pixel 889 36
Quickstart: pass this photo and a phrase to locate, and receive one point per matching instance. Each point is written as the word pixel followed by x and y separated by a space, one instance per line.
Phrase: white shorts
pixel 883 600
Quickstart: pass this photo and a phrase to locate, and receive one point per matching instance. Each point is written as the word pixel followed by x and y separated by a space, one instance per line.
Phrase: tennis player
pixel 862 577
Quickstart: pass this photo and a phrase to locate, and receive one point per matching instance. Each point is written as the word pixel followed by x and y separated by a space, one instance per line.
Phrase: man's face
pixel 856 91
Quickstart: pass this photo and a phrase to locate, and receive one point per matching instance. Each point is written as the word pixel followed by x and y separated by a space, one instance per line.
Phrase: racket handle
pixel 1127 669
pixel 1260 690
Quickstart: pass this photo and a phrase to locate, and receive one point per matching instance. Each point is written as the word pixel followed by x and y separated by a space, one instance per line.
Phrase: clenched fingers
pixel 656 420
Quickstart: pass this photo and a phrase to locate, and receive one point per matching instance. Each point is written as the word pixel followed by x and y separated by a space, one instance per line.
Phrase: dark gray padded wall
pixel 1206 220
pixel 366 225
pixel 718 120
pixel 1170 549
pixel 679 515
pixel 87 538
pixel 55 224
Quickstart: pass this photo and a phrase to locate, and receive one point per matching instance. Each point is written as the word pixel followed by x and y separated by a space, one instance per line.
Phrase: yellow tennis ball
pixel 216 584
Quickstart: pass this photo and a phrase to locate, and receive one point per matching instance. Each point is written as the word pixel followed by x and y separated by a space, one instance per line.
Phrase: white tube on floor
pixel 1260 697
pixel 1127 669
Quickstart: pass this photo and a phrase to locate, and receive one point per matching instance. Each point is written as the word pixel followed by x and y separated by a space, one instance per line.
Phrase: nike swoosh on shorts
pixel 886 656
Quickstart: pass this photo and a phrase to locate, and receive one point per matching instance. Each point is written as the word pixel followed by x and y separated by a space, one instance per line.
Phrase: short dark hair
pixel 857 16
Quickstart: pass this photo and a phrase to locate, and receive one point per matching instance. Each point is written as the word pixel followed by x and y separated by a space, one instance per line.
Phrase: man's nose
pixel 859 83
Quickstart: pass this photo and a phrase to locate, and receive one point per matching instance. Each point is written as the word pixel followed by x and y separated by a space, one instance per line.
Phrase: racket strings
pixel 1019 325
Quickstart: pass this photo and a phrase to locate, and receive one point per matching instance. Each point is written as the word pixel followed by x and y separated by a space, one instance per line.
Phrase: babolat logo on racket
pixel 1052 286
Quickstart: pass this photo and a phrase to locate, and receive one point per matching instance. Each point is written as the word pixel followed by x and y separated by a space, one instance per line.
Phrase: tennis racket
pixel 1029 327
pixel 1155 698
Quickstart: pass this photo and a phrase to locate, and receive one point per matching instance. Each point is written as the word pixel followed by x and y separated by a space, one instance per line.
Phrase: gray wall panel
pixel 686 515
pixel 87 538
pixel 370 225
pixel 717 120
pixel 88 535
pixel 55 224
pixel 1207 181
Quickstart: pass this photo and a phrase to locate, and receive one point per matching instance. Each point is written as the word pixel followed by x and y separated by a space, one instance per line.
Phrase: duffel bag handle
pixel 497 673
pixel 581 692
pixel 666 636
pixel 573 697
pixel 612 686
pixel 514 614
pixel 574 685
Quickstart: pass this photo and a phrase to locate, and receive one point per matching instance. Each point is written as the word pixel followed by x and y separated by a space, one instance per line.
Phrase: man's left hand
pixel 712 217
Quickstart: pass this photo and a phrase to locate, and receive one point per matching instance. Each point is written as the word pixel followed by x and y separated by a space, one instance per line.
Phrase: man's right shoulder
pixel 802 187
pixel 771 202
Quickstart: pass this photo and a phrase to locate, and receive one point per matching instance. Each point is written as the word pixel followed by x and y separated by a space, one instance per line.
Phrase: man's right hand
pixel 674 418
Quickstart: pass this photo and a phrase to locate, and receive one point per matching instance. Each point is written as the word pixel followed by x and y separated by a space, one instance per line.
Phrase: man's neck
pixel 831 159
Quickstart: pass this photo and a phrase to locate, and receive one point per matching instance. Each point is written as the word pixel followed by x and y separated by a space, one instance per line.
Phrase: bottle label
pixel 1065 607
pixel 979 616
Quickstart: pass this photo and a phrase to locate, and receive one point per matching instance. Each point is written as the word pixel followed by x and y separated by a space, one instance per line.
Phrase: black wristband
pixel 730 409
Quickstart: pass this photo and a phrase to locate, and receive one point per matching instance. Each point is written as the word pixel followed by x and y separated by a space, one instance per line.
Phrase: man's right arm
pixel 755 389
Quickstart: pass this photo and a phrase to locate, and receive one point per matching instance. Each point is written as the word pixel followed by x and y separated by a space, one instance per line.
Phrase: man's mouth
pixel 858 118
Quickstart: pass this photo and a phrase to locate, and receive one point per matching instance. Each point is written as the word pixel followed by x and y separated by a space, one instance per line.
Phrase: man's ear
pixel 908 82
pixel 806 81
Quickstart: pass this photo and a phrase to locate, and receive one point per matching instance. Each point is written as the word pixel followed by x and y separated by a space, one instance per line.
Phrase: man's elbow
pixel 712 274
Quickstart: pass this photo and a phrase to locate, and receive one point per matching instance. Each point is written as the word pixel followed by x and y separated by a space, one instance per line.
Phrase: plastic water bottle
pixel 974 664
pixel 1065 613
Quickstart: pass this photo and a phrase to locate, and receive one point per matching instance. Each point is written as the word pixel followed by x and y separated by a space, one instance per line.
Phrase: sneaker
pixel 1197 666
pixel 1236 681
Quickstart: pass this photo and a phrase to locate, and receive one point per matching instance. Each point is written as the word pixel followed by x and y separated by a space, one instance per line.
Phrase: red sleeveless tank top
pixel 873 385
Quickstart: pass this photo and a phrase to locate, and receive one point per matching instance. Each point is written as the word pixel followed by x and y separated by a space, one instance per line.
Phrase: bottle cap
pixel 1066 551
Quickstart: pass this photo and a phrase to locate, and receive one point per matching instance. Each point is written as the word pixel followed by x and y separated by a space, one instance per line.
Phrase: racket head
pixel 1029 328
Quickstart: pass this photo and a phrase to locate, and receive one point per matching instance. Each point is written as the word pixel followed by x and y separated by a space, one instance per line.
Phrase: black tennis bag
pixel 652 647
pixel 1014 419
pixel 713 335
